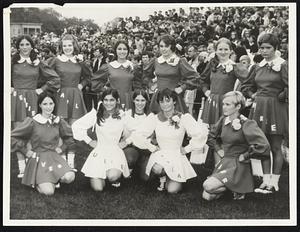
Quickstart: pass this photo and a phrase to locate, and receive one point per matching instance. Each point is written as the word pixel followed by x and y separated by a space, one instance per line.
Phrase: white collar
pixel 40 119
pixel 173 60
pixel 116 64
pixel 276 61
pixel 227 120
pixel 64 58
pixel 240 117
pixel 28 60
pixel 229 62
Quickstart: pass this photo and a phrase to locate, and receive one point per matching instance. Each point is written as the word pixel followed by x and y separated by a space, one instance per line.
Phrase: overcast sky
pixel 102 13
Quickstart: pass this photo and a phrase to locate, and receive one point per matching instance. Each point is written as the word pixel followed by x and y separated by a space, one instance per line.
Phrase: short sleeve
pixel 196 130
pixel 80 126
pixel 259 147
pixel 21 135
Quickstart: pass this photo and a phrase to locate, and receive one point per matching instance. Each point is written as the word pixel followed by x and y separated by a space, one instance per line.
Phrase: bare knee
pixel 174 187
pixel 46 189
pixel 207 196
pixel 68 178
pixel 113 175
pixel 208 187
pixel 157 169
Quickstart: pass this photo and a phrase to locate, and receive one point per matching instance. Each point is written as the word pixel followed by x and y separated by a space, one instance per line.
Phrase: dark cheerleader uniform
pixel 219 79
pixel 47 165
pixel 270 106
pixel 26 77
pixel 245 138
pixel 172 73
pixel 72 72
pixel 120 76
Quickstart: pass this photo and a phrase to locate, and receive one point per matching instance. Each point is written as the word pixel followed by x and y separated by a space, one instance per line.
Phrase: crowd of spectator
pixel 199 28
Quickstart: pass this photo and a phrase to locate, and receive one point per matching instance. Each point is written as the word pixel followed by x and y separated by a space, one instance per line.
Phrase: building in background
pixel 17 29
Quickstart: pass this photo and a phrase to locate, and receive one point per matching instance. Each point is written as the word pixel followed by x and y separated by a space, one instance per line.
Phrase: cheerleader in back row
pixel 172 72
pixel 168 159
pixel 217 79
pixel 107 160
pixel 74 75
pixel 29 77
pixel 119 74
pixel 267 85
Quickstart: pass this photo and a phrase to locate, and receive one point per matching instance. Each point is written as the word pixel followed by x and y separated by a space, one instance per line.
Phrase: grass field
pixel 138 200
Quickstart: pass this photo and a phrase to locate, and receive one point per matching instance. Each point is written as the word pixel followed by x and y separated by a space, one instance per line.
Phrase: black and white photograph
pixel 167 114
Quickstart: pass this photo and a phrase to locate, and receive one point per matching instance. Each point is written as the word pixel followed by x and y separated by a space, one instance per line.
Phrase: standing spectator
pixel 90 97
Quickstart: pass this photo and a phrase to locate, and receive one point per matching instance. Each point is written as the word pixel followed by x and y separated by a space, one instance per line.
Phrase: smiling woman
pixel 119 74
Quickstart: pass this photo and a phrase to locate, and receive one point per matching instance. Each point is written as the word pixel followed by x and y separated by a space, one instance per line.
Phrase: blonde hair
pixel 239 98
pixel 74 41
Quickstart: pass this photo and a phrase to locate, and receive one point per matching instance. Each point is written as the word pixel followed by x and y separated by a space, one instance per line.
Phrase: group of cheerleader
pixel 147 135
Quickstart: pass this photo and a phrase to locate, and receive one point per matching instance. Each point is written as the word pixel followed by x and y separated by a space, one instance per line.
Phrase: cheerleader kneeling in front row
pixel 241 139
pixel 107 160
pixel 168 159
pixel 45 166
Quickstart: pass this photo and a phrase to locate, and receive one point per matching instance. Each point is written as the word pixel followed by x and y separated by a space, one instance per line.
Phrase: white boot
pixel 264 185
pixel 70 159
pixel 274 181
pixel 21 165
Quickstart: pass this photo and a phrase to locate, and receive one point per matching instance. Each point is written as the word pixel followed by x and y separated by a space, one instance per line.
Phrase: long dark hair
pixel 41 98
pixel 101 112
pixel 33 55
pixel 166 93
pixel 169 41
pixel 136 93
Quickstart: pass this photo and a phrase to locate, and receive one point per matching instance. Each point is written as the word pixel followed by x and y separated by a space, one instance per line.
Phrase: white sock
pixel 266 179
pixel 274 181
pixel 22 165
pixel 71 157
pixel 162 181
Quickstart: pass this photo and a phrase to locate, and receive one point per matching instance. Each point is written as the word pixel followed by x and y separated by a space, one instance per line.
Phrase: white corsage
pixel 276 67
pixel 228 68
pixel 175 119
pixel 236 124
pixel 79 58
